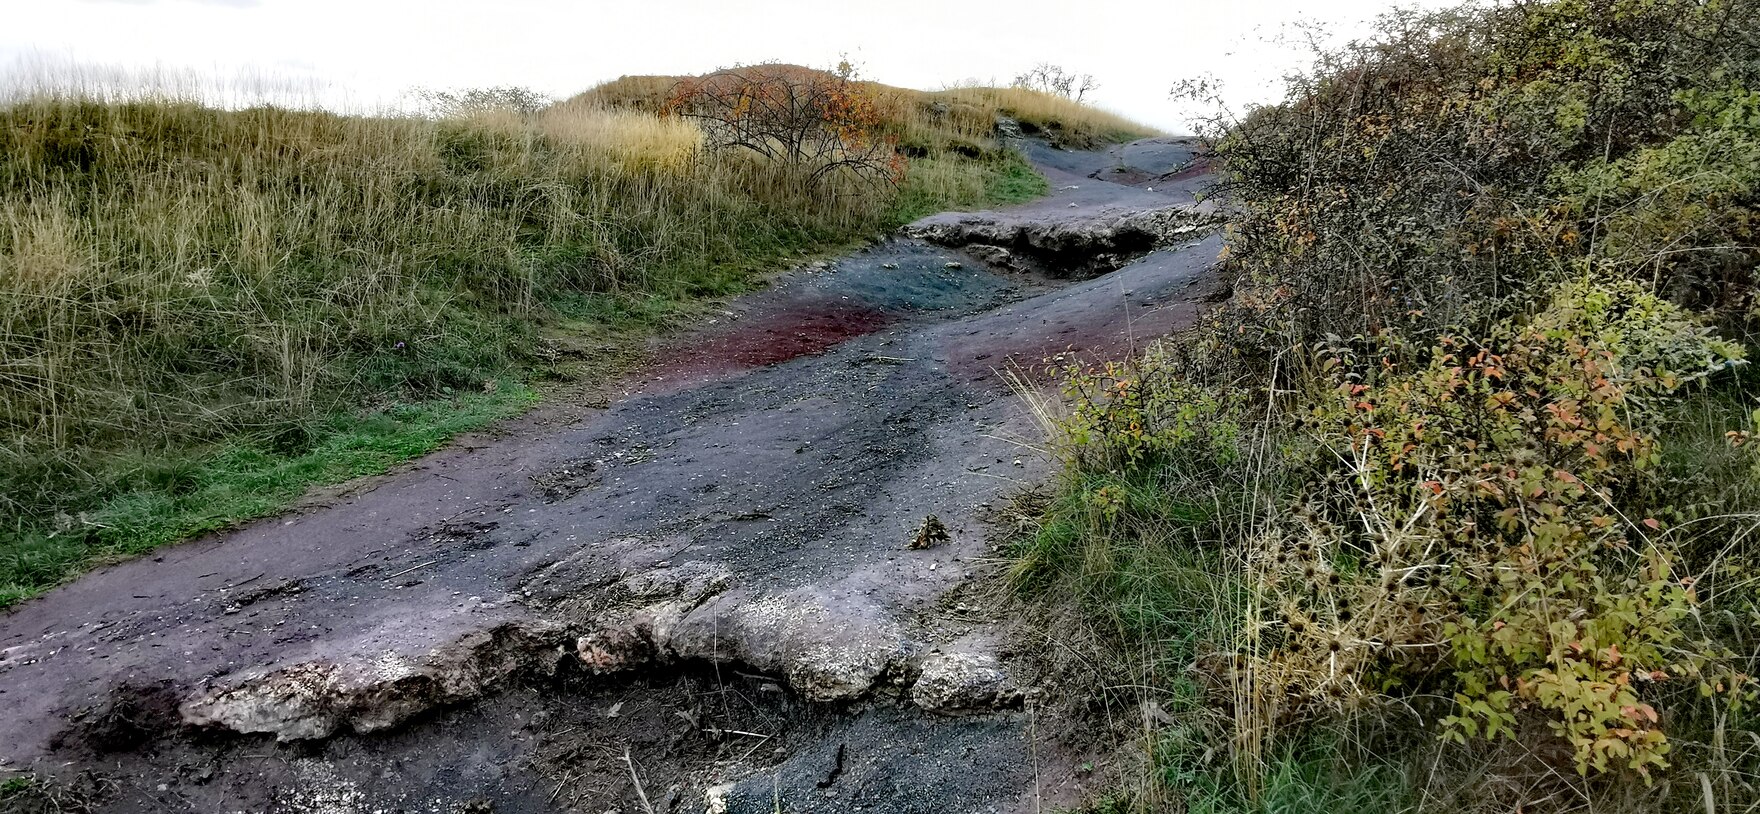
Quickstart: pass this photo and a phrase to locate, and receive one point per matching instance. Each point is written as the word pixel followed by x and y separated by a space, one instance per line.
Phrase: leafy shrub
pixel 1507 507
pixel 1145 413
pixel 1468 520
pixel 1441 173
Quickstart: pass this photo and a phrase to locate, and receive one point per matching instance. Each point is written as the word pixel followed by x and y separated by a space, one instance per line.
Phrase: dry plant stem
pixel 637 780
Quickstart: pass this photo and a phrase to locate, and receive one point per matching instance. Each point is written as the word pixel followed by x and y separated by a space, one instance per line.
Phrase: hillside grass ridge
pixel 957 119
pixel 205 312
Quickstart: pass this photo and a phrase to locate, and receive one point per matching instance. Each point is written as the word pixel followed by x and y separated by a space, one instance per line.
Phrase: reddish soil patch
pixel 776 335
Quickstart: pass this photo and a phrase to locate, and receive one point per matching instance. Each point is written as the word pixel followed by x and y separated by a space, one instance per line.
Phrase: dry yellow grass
pixel 1064 120
pixel 647 93
pixel 632 138
pixel 959 119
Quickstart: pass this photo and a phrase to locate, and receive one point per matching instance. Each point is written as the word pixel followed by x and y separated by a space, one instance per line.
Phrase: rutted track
pixel 703 595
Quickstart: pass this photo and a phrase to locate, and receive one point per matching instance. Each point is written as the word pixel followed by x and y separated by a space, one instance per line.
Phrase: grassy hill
pixel 926 122
pixel 203 312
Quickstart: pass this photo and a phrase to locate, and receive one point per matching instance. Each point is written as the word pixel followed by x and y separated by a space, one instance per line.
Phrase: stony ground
pixel 721 593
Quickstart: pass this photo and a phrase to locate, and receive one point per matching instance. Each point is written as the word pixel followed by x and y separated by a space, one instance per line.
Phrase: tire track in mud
pixel 703 597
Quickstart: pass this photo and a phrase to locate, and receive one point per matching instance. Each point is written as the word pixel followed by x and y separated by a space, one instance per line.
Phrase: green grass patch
pixel 1314 777
pixel 157 498
pixel 949 182
pixel 1138 563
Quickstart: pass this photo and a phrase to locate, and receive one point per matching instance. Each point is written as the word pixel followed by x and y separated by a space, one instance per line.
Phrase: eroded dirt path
pixel 703 598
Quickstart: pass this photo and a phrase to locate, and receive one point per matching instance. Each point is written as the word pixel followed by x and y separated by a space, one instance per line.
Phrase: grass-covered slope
pixel 926 122
pixel 205 311
pixel 1451 507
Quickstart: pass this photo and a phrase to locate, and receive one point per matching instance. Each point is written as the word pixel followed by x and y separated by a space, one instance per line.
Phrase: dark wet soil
pixel 742 521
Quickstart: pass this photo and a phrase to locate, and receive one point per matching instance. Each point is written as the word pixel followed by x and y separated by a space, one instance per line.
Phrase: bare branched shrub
pixel 960 119
pixel 471 101
pixel 1048 78
pixel 819 122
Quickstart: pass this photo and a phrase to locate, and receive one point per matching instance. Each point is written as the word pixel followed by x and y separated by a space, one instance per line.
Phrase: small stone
pixel 956 682
pixel 616 649
pixel 715 798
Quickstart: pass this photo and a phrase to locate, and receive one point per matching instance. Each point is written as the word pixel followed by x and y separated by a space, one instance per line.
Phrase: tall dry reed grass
pixel 174 275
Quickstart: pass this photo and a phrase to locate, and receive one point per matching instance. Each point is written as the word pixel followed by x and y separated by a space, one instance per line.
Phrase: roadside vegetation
pixel 204 312
pixel 1451 506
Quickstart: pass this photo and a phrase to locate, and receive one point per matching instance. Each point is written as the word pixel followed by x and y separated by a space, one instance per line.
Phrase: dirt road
pixel 702 598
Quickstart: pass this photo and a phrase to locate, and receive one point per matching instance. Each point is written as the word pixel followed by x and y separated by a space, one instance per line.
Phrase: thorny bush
pixel 1464 518
pixel 1144 413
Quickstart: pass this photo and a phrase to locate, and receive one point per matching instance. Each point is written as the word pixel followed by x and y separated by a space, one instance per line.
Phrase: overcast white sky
pixel 366 52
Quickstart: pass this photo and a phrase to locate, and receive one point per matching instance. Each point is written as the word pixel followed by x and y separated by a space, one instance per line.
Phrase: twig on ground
pixel 412 568
pixel 566 779
pixel 640 794
pixel 243 582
